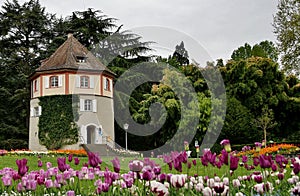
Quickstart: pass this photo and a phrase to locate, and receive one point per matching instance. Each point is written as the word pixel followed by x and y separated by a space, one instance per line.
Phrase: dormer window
pixel 81 59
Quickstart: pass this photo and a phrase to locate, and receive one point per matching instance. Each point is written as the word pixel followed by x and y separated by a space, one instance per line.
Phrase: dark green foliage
pixel 57 124
pixel 24 37
pixel 181 54
pixel 264 49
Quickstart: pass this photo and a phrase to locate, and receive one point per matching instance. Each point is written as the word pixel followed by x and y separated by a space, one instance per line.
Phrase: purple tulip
pixel 40 180
pixel 162 178
pixel 194 162
pixel 234 161
pixel 116 164
pixel 274 167
pixel 296 168
pixel 244 159
pixel 22 166
pixel 147 175
pixel 49 183
pixel 70 193
pixel 94 159
pixel 219 187
pixel 70 157
pixel 178 165
pixel 40 163
pixel 76 160
pixel 49 165
pixel 258 178
pixel 61 163
pixel 246 148
pixel 31 185
pixel 255 161
pixel 20 187
pixel 178 180
pixel 105 187
pixel 128 180
pixel 136 165
pixel 280 176
pixel 224 157
pixel 226 144
pixel 265 161
pixel 157 170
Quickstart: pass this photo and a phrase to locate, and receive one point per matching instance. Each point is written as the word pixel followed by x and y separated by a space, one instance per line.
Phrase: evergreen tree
pixel 181 54
pixel 24 37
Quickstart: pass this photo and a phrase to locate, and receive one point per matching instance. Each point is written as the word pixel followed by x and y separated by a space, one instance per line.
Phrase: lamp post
pixel 126 125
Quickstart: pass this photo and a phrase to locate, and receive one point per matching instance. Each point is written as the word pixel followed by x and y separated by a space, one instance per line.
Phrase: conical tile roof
pixel 68 56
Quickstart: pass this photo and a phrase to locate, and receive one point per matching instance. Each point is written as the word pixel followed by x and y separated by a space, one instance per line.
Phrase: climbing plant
pixel 57 123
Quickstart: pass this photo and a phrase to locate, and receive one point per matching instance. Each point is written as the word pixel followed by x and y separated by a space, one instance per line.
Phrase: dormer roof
pixel 72 55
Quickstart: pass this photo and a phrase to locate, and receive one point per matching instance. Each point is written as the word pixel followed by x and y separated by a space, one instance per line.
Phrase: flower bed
pixel 264 174
pixel 80 152
pixel 272 149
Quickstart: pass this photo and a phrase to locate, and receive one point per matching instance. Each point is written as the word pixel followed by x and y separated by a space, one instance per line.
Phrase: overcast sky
pixel 219 26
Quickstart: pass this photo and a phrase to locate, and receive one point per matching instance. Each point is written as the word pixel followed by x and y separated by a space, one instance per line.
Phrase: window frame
pixel 88 105
pixel 35 85
pixel 107 84
pixel 86 83
pixel 55 80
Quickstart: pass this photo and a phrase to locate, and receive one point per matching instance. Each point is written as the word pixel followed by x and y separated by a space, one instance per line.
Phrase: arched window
pixel 54 81
pixel 84 82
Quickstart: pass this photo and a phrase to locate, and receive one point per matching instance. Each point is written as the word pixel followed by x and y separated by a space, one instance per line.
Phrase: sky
pixel 216 27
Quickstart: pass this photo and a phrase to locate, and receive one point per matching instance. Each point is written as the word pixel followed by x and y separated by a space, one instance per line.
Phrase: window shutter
pixel 77 81
pixel 60 80
pixel 104 83
pixel 92 83
pixel 37 85
pixel 81 105
pixel 94 104
pixel 46 81
pixel 32 112
pixel 111 85
pixel 40 111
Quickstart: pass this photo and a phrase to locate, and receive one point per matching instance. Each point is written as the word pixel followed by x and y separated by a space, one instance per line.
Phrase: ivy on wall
pixel 57 123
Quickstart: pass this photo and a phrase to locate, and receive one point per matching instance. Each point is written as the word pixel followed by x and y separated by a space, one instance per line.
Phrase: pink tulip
pixel 7 180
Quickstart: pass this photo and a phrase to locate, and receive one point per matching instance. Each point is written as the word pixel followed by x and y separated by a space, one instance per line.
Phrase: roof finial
pixel 70 33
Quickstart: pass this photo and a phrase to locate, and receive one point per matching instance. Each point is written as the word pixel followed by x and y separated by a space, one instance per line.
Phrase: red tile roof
pixel 66 57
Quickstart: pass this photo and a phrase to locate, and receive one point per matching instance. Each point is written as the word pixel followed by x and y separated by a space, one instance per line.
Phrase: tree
pixel 264 49
pixel 287 29
pixel 265 122
pixel 181 55
pixel 24 37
